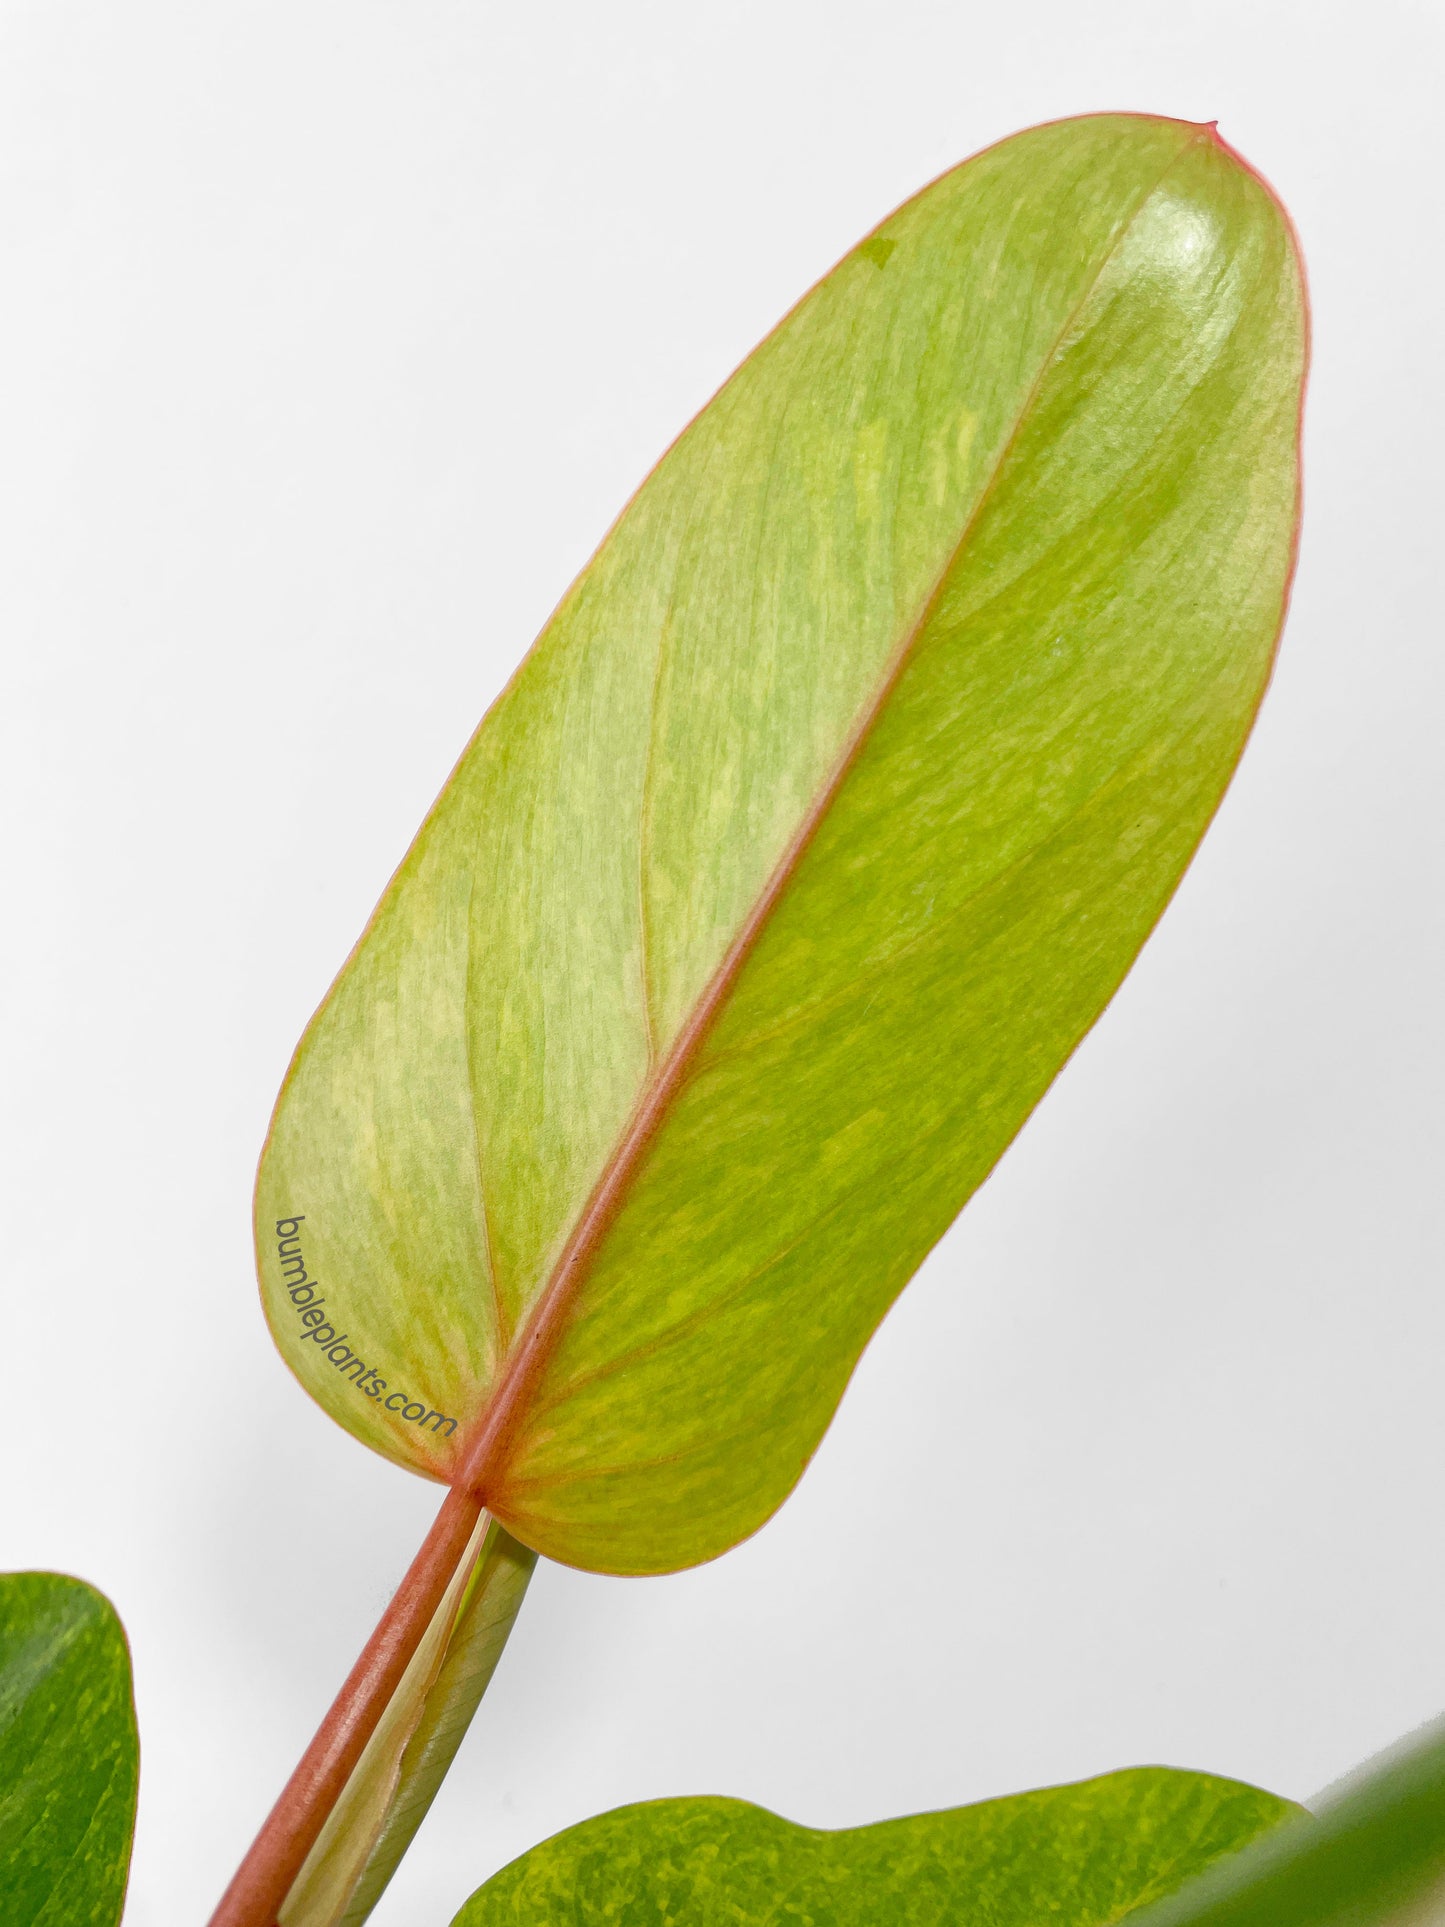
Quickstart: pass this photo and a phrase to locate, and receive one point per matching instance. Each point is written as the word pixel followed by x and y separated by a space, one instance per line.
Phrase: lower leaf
pixel 69 1756
pixel 1075 1856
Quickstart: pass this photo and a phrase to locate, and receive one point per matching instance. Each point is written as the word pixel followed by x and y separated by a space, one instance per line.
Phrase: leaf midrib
pixel 704 1313
pixel 484 1457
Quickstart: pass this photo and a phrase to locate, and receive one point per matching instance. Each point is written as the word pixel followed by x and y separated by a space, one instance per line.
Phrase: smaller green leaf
pixel 1375 1855
pixel 397 1778
pixel 69 1756
pixel 1074 1856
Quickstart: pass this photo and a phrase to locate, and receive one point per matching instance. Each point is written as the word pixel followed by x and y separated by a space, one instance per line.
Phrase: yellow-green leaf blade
pixel 818 826
pixel 980 883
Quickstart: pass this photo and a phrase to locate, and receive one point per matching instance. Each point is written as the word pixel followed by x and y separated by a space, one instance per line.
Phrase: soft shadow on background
pixel 334 336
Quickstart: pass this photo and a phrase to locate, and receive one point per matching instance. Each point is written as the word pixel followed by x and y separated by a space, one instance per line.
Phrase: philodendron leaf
pixel 69 1757
pixel 396 1780
pixel 1074 1856
pixel 819 825
pixel 1375 1857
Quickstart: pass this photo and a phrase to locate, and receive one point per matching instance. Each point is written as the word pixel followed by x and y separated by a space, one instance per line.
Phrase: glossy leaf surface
pixel 406 1760
pixel 1375 1857
pixel 816 829
pixel 69 1756
pixel 1075 1856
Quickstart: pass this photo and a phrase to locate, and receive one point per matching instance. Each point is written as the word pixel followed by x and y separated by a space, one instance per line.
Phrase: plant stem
pixel 265 1876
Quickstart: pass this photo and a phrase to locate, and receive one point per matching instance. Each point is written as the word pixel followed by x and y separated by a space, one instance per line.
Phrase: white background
pixel 331 338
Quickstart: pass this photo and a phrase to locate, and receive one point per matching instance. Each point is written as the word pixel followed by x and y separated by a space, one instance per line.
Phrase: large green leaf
pixel 69 1757
pixel 1374 1858
pixel 394 1783
pixel 1075 1856
pixel 811 836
